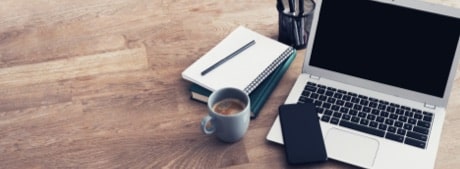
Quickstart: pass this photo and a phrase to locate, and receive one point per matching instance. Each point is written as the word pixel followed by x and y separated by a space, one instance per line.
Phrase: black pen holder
pixel 294 28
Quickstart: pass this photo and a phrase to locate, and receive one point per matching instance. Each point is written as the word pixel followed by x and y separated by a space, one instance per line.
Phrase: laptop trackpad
pixel 351 148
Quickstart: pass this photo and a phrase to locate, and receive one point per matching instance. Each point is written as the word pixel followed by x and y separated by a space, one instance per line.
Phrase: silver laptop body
pixel 402 53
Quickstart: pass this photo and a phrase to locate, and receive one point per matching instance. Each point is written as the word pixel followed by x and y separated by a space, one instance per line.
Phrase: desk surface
pixel 96 84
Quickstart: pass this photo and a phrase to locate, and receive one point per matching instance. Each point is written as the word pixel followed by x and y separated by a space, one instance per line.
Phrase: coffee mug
pixel 229 114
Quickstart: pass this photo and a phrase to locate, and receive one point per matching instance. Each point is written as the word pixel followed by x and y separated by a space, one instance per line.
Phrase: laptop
pixel 380 73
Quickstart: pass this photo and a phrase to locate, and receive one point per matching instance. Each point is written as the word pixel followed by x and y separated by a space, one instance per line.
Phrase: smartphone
pixel 303 140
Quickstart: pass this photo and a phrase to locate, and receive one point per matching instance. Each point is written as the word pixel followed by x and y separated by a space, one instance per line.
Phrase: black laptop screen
pixel 397 46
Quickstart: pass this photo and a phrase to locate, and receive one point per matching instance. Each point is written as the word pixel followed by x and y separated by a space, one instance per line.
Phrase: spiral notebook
pixel 246 70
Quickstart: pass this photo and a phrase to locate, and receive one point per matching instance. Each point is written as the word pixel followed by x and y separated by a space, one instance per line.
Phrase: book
pixel 260 94
pixel 244 71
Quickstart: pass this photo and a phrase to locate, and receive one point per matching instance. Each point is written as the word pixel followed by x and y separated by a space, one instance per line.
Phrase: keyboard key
pixel 374 124
pixel 391 129
pixel 380 119
pixel 344 110
pixel 416 110
pixel 427 113
pixel 375 112
pixel 383 102
pixel 357 107
pixel 355 100
pixel 384 114
pixel 353 112
pixel 317 103
pixel 346 97
pixel 383 127
pixel 352 94
pixel 402 118
pixel 408 127
pixel 399 111
pixel 361 128
pixel 364 102
pixel 305 99
pixel 335 107
pixel 414 142
pixel 418 116
pixel 326 105
pixel 389 121
pixel 422 130
pixel 314 96
pixel 409 113
pixel 364 122
pixel 321 91
pixel 337 115
pixel 412 121
pixel 391 109
pixel 401 132
pixel 393 116
pixel 331 100
pixel 405 108
pixel 348 105
pixel 320 110
pixel 322 98
pixel 331 89
pixel 321 86
pixel 342 91
pixel 346 117
pixel 366 109
pixel 371 117
pixel 373 104
pixel 362 97
pixel 394 105
pixel 417 136
pixel 394 137
pixel 310 88
pixel 334 121
pixel 428 118
pixel 373 99
pixel 328 112
pixel 306 93
pixel 423 124
pixel 311 84
pixel 355 119
pixel 399 124
pixel 329 93
pixel 381 107
pixel 340 102
pixel 338 96
pixel 325 118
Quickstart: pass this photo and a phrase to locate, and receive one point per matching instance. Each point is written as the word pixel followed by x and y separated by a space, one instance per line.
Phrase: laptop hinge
pixel 430 106
pixel 314 77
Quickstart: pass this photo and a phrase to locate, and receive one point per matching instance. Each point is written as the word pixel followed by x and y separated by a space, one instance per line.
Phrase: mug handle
pixel 204 122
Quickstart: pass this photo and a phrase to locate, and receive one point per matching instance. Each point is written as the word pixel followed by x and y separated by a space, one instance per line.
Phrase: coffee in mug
pixel 228 114
pixel 229 106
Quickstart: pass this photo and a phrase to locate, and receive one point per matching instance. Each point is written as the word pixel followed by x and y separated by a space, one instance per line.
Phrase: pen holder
pixel 294 27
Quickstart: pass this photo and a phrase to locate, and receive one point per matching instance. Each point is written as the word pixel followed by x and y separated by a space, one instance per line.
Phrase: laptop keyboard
pixel 369 115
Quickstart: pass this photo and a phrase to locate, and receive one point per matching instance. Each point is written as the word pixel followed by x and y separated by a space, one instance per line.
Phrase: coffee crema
pixel 228 106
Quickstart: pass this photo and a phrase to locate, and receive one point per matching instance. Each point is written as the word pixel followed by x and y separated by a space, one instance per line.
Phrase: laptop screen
pixel 389 44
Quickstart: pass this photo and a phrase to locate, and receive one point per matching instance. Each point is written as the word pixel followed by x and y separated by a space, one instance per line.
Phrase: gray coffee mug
pixel 227 127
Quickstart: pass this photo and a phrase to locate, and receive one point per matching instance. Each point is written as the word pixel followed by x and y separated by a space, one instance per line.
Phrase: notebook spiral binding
pixel 268 70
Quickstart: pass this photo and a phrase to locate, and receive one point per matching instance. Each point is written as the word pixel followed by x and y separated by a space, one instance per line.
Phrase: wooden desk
pixel 96 84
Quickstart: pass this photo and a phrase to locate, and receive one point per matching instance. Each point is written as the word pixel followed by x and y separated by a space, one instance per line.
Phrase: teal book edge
pixel 259 95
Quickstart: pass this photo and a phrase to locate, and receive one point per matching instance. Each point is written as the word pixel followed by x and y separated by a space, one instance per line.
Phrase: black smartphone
pixel 303 140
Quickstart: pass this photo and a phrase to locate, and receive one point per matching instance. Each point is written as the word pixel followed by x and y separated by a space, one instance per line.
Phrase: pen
pixel 292 6
pixel 301 7
pixel 220 62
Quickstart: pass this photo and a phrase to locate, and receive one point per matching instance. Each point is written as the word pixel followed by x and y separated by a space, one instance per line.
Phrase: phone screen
pixel 303 140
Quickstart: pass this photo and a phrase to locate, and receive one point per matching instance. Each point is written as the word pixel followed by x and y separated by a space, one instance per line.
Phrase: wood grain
pixel 96 84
